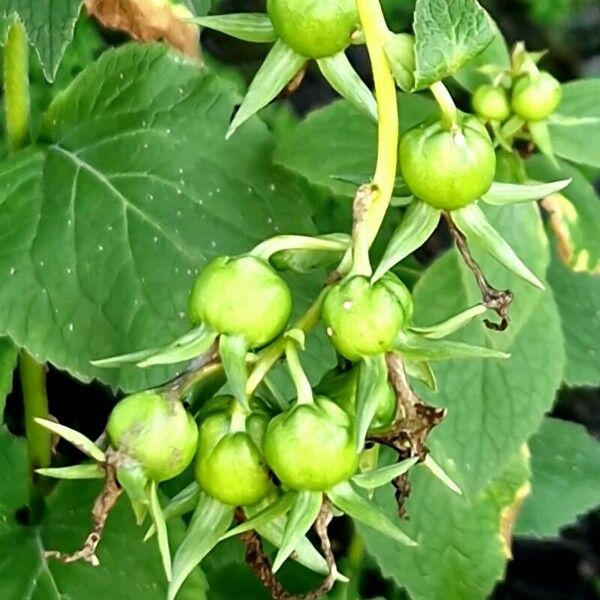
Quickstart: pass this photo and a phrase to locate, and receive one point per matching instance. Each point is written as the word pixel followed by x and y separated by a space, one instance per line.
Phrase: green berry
pixel 448 168
pixel 491 102
pixel 535 97
pixel 363 319
pixel 229 465
pixel 314 28
pixel 311 446
pixel 158 433
pixel 241 296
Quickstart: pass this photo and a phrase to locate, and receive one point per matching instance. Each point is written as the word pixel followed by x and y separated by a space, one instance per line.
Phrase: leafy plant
pixel 249 292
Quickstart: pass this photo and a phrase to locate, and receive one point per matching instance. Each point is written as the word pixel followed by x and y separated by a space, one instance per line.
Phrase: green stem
pixel 446 104
pixel 301 382
pixel 39 439
pixel 16 87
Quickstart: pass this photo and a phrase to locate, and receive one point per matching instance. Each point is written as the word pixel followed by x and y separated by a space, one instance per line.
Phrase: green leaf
pixel 575 126
pixel 78 440
pixel 378 477
pixel 126 564
pixel 574 215
pixel 540 135
pixel 349 146
pixel 461 552
pixel 304 512
pixel 474 225
pixel 161 530
pixel 233 350
pixel 210 521
pixel 251 27
pixel 448 33
pixel 577 296
pixel 343 78
pixel 421 371
pixel 417 225
pixel 510 193
pixel 493 406
pixel 50 26
pixel 83 471
pixel 182 503
pixel 362 510
pixel 451 325
pixel 416 347
pixel 8 363
pixel 279 67
pixel 104 230
pixel 371 386
pixel 565 462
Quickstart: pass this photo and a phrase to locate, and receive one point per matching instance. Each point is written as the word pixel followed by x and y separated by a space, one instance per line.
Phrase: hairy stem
pixel 39 439
pixel 382 186
pixel 16 87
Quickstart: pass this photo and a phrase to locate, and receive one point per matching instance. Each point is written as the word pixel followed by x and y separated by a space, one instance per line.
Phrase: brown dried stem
pixel 262 567
pixel 493 298
pixel 100 511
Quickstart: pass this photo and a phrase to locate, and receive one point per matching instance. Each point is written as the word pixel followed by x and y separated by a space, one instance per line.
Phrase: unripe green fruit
pixel 311 446
pixel 448 169
pixel 363 319
pixel 314 28
pixel 241 296
pixel 341 386
pixel 229 465
pixel 491 102
pixel 158 433
pixel 535 97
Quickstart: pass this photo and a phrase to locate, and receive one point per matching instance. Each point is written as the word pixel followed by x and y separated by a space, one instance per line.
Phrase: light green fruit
pixel 363 319
pixel 314 28
pixel 158 433
pixel 241 296
pixel 448 168
pixel 491 102
pixel 535 97
pixel 229 465
pixel 311 446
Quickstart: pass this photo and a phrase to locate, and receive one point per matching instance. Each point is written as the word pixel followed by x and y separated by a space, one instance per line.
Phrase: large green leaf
pixel 50 25
pixel 128 567
pixel 577 296
pixel 103 230
pixel 493 406
pixel 447 34
pixel 565 462
pixel 460 552
pixel 8 362
pixel 574 213
pixel 349 147
pixel 575 127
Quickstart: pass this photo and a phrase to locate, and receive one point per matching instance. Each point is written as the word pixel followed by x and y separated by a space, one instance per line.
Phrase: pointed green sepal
pixel 382 476
pixel 250 27
pixel 210 521
pixel 74 437
pixel 359 508
pixel 273 511
pixel 233 350
pixel 474 225
pixel 303 513
pixel 449 326
pixel 418 223
pixel 436 470
pixel 161 529
pixel 421 370
pixel 135 483
pixel 280 66
pixel 343 78
pixel 416 347
pixel 372 384
pixel 540 133
pixel 85 471
pixel 400 51
pixel 501 194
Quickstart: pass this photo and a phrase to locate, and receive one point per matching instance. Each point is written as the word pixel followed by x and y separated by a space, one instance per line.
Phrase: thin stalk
pixel 39 439
pixel 16 87
pixel 376 33
pixel 301 382
pixel 446 103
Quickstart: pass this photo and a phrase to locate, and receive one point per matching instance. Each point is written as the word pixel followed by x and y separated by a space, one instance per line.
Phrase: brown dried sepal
pixel 149 21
